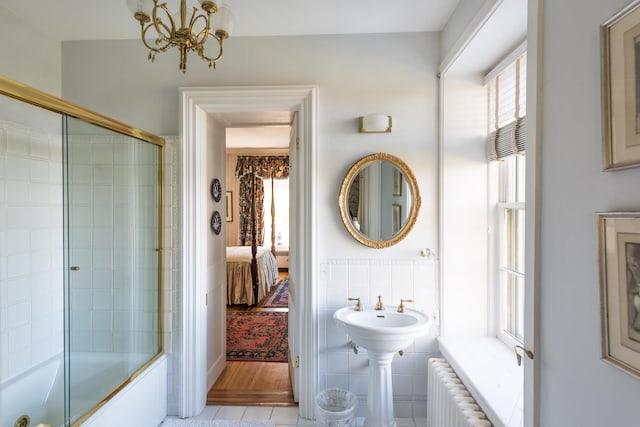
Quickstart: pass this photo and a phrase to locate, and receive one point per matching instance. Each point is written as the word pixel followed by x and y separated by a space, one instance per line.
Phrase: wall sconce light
pixel 375 123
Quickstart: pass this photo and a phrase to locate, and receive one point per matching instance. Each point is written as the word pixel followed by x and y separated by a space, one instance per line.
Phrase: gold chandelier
pixel 216 21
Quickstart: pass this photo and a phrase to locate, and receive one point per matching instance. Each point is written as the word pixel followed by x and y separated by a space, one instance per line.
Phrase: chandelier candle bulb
pixel 142 7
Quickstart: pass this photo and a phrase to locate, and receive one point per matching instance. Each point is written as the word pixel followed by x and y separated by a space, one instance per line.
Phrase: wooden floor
pixel 253 383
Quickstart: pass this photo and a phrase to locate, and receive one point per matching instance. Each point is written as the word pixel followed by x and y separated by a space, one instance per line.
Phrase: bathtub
pixel 39 393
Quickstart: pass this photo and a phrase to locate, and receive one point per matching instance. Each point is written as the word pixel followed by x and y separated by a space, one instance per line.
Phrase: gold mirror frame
pixel 344 192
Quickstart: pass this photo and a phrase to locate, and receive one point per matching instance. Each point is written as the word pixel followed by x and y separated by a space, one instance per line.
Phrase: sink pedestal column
pixel 380 392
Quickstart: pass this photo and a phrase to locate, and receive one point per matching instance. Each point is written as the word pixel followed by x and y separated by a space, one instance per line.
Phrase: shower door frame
pixel 35 97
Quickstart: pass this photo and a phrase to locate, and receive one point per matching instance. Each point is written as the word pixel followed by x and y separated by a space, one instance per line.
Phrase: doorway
pixel 195 362
pixel 257 148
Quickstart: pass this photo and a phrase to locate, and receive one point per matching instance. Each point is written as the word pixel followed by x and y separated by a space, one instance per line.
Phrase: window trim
pixel 501 330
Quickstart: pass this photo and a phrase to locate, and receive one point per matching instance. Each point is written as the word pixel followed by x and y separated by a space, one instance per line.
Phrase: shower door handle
pixel 74 268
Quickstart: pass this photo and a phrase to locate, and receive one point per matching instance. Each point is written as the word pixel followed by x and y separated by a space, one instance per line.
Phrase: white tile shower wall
pixel 367 279
pixel 112 207
pixel 31 302
pixel 170 207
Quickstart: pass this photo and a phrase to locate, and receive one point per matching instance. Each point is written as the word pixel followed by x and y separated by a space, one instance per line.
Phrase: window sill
pixel 488 369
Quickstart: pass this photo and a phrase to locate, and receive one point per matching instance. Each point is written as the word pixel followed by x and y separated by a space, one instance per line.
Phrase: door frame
pixel 195 104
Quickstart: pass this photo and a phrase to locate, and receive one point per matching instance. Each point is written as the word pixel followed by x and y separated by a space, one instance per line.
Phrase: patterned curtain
pixel 252 170
pixel 248 185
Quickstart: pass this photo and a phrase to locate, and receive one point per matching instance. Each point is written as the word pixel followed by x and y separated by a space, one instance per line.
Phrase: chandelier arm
pixel 162 38
pixel 194 18
pixel 160 26
pixel 203 35
pixel 167 43
pixel 212 61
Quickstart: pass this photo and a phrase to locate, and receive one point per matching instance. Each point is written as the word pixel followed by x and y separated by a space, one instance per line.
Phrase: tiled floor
pixel 283 416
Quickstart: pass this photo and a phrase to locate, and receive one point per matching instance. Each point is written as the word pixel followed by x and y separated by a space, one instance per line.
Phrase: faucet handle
pixel 358 306
pixel 401 308
pixel 379 305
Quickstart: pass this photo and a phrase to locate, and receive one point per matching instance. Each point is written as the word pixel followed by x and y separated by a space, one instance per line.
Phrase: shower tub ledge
pixel 39 394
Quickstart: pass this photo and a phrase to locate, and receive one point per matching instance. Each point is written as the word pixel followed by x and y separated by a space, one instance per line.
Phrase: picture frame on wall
pixel 620 75
pixel 397 182
pixel 229 203
pixel 619 259
pixel 396 218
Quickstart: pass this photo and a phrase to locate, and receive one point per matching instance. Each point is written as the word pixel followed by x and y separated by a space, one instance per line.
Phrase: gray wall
pixel 28 55
pixel 358 74
pixel 393 74
pixel 577 388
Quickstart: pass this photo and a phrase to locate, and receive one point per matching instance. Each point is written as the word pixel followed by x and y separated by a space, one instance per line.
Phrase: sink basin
pixel 383 333
pixel 382 330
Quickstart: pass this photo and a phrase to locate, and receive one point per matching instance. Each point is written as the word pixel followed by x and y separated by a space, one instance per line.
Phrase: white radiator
pixel 449 404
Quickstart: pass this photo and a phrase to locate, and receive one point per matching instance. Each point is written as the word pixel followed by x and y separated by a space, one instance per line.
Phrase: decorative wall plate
pixel 216 222
pixel 216 189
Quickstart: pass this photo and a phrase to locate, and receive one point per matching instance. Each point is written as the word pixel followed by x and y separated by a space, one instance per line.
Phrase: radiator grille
pixel 449 403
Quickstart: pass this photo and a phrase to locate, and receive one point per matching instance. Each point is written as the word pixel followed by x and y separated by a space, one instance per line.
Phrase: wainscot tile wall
pixel 367 279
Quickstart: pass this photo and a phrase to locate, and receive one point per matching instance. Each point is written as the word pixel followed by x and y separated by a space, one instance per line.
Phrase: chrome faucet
pixel 358 306
pixel 379 305
pixel 401 308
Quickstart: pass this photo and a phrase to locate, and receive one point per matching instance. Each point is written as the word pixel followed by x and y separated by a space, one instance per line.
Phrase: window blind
pixel 507 107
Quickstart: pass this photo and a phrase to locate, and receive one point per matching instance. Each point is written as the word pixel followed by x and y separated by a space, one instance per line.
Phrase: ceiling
pixel 67 20
pixel 111 20
pixel 264 129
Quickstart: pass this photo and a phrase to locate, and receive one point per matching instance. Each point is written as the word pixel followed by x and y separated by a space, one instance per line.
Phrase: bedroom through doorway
pixel 257 197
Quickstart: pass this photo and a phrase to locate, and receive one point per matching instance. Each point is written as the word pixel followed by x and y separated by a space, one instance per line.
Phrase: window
pixel 506 145
pixel 281 205
pixel 511 245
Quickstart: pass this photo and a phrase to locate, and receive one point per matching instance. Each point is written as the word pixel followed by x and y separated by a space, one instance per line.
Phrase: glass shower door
pixel 112 220
pixel 31 267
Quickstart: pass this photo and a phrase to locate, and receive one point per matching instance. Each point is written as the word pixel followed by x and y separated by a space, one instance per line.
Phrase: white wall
pixel 28 55
pixel 216 299
pixel 458 22
pixel 577 388
pixel 356 75
pixel 464 201
pixel 468 301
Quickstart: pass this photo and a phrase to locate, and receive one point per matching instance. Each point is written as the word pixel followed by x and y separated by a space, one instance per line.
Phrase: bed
pixel 239 279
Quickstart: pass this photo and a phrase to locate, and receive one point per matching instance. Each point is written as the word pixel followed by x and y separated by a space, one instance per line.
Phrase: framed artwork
pixel 397 182
pixel 620 70
pixel 619 256
pixel 229 206
pixel 396 218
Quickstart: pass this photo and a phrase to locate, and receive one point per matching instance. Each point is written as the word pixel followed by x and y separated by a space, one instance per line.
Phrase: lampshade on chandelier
pixel 186 30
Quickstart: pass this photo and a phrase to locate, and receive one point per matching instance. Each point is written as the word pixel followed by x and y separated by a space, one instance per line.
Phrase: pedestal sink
pixel 382 333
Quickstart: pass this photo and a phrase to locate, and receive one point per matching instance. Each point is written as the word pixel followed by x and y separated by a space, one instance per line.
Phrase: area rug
pixel 259 336
pixel 190 422
pixel 278 296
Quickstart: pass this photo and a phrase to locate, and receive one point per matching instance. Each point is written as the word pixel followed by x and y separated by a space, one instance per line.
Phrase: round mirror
pixel 379 200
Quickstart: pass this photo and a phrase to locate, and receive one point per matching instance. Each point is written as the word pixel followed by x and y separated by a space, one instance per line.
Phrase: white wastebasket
pixel 336 408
